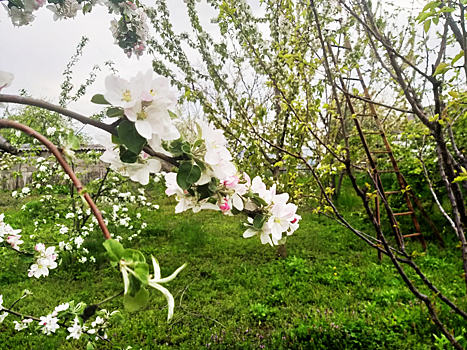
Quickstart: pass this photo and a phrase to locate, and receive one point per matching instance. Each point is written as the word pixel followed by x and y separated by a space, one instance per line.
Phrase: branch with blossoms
pixel 70 316
pixel 130 30
pixel 205 178
pixel 132 264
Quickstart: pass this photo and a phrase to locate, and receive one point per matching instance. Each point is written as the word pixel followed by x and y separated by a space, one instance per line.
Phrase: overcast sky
pixel 37 54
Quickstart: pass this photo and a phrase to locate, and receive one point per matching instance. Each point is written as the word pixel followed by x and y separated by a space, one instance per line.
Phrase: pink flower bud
pixel 231 181
pixel 224 206
pixel 294 220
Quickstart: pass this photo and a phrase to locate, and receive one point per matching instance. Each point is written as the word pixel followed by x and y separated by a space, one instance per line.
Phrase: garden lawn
pixel 331 292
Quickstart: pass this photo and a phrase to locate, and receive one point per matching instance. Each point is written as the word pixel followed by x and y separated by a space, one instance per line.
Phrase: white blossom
pixel 49 324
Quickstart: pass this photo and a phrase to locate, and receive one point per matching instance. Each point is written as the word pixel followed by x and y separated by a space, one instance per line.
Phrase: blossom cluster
pixel 45 260
pixel 131 30
pixel 145 102
pixel 23 16
pixel 235 193
pixel 207 178
pixel 138 171
pixel 8 234
pixel 279 217
pixel 50 324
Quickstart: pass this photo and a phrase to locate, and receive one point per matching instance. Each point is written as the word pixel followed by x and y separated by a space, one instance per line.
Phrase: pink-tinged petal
pixel 289 212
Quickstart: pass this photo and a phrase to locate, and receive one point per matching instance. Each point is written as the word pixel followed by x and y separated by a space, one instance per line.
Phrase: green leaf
pixel 134 286
pixel 73 141
pixel 142 272
pixel 130 137
pixel 114 112
pixel 204 191
pixel 442 68
pixel 448 9
pixel 172 115
pixel 87 8
pixel 423 16
pixel 213 184
pixel 116 140
pixel 114 249
pixel 137 302
pixel 200 131
pixel 175 147
pixel 431 5
pixel 132 256
pixel 186 148
pixel 259 221
pixel 460 178
pixel 457 57
pixel 89 345
pixel 127 156
pixel 427 25
pixel 234 211
pixel 197 143
pixel 188 174
pixel 258 200
pixel 99 99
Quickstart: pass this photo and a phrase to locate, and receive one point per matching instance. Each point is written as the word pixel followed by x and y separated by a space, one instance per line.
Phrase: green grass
pixel 330 293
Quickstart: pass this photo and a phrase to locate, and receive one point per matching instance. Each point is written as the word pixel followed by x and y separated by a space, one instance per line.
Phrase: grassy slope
pixel 236 294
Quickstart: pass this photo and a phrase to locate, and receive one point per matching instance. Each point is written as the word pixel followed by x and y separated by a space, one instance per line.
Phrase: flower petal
pixel 169 297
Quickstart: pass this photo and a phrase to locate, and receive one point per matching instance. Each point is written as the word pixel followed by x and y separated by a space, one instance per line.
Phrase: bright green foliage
pixel 237 294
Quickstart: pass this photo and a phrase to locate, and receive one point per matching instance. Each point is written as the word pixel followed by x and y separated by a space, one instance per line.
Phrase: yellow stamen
pixel 126 96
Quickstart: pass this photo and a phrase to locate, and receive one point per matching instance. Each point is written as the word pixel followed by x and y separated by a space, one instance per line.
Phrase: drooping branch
pixel 5 123
pixel 110 128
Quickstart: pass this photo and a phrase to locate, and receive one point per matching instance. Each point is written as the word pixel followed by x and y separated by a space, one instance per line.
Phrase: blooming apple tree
pixel 204 177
